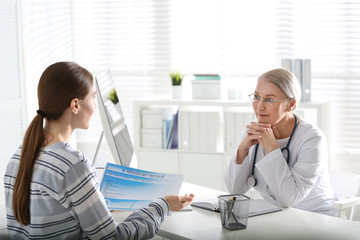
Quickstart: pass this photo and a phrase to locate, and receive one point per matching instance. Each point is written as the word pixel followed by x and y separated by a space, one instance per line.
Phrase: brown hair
pixel 59 84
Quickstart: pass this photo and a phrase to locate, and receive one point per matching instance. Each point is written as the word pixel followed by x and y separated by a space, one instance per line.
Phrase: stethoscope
pixel 251 181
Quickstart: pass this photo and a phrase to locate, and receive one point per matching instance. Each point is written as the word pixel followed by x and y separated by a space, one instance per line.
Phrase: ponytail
pixel 32 144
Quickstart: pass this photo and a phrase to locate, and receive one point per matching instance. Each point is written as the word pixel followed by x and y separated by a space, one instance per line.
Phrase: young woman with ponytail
pixel 51 190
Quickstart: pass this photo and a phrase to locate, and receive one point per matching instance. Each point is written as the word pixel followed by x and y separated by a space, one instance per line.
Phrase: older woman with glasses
pixel 282 156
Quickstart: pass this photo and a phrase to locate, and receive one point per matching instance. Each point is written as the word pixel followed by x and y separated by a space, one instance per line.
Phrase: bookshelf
pixel 220 122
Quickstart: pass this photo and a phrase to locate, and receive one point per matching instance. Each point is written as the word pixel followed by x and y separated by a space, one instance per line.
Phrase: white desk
pixel 289 223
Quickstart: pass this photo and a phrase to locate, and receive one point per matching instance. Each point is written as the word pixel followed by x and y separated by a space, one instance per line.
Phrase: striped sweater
pixel 66 202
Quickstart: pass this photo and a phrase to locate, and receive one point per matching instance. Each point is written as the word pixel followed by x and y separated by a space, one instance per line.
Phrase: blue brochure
pixel 128 188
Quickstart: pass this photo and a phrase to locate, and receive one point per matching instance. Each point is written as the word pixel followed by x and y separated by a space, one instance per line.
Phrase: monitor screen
pixel 113 121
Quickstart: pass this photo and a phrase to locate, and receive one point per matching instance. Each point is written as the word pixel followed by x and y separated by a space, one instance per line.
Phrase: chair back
pixel 4 235
pixel 345 184
pixel 347 187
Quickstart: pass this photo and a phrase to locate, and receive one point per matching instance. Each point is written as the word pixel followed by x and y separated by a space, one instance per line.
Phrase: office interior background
pixel 141 41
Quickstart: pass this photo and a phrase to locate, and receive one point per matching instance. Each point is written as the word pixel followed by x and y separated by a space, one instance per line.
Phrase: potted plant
pixel 176 80
pixel 113 97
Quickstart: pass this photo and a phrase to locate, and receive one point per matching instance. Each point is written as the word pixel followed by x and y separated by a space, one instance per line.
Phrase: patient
pixel 51 189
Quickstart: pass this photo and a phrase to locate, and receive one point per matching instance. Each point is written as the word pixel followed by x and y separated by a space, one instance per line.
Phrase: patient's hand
pixel 177 202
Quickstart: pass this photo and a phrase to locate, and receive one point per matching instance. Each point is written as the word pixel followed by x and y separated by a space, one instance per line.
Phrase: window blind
pixel 233 38
pixel 132 39
pixel 242 40
pixel 11 120
pixel 328 33
pixel 46 40
pixel 141 41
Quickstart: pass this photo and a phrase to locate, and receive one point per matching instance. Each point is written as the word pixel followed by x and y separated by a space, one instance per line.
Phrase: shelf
pixel 201 166
pixel 157 150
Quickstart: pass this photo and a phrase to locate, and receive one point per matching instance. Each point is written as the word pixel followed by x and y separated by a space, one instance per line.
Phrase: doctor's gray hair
pixel 285 81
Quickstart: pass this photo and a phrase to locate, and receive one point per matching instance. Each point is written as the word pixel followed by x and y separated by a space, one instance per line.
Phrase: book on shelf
pixel 302 70
pixel 207 77
pixel 167 123
pixel 229 131
pixel 297 69
pixel 194 130
pixel 203 131
pixel 214 131
pixel 235 125
pixel 287 64
pixel 306 81
pixel 257 206
pixel 169 128
pixel 173 141
pixel 170 131
pixel 184 127
pixel 239 127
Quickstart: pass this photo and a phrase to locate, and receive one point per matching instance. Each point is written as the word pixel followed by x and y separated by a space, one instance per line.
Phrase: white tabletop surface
pixel 290 223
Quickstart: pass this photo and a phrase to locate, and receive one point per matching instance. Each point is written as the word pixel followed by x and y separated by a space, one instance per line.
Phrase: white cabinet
pixel 159 160
pixel 203 168
pixel 208 134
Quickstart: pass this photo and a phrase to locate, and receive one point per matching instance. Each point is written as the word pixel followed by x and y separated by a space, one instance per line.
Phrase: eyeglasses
pixel 268 100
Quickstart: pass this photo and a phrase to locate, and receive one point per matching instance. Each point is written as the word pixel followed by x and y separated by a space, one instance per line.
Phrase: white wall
pixel 11 106
pixel 345 162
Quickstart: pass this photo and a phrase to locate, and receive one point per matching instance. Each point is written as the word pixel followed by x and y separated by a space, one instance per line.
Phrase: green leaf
pixel 176 78
pixel 113 96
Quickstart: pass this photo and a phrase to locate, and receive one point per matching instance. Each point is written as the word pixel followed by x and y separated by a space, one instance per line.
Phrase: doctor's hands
pixel 263 133
pixel 177 202
pixel 257 133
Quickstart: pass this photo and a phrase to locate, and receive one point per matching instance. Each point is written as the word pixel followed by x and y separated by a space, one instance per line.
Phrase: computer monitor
pixel 113 122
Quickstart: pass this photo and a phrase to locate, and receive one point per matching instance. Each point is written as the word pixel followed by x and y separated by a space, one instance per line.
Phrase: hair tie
pixel 41 113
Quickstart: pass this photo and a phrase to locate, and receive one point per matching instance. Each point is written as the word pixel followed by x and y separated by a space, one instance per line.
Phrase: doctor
pixel 283 157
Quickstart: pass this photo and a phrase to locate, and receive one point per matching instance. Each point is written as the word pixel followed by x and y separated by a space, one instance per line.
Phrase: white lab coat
pixel 304 184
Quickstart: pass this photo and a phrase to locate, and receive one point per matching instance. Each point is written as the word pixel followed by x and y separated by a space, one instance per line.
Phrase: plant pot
pixel 176 91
